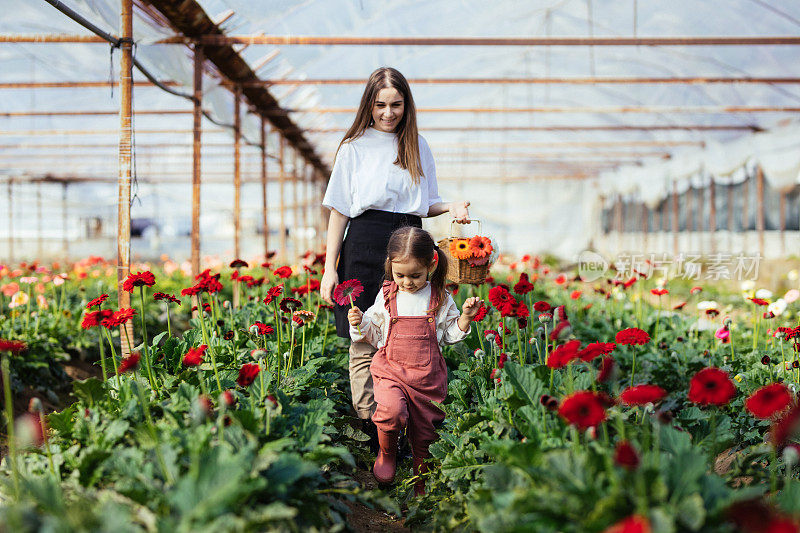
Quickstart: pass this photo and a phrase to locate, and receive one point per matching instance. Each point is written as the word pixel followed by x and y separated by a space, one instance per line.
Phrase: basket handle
pixel 480 226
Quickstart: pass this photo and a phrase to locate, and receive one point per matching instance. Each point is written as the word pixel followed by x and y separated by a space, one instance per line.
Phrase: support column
pixel 264 186
pixel 712 215
pixel 783 221
pixel 675 227
pixel 39 229
pixel 124 182
pixel 282 203
pixel 197 114
pixel 760 207
pixel 295 204
pixel 11 221
pixel 237 176
pixel 64 218
pixel 305 202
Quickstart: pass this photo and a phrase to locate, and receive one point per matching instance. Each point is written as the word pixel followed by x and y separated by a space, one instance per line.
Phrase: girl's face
pixel 409 274
pixel 388 110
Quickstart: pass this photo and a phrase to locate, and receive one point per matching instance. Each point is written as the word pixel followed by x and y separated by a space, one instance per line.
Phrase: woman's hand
pixel 471 307
pixel 330 279
pixel 354 316
pixel 460 212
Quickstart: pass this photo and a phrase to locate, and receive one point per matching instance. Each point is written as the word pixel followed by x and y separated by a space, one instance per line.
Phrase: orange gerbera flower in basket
pixel 480 246
pixel 459 248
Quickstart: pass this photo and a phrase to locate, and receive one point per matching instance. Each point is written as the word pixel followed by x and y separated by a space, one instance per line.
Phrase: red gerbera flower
pixel 594 349
pixel 678 306
pixel 308 287
pixel 769 400
pixel 14 347
pixel 347 290
pixel 786 426
pixel 632 524
pixel 560 279
pixel 626 456
pixel 247 374
pixel 192 291
pixel 129 363
pixel 139 279
pixel 482 312
pixel 167 297
pixel 541 306
pixel 94 318
pixel 194 356
pixel 642 395
pixel 606 369
pixel 501 361
pixel 118 318
pixel 759 301
pixel 659 292
pixel 282 272
pixel 632 336
pixel 561 356
pixel 523 286
pixel 238 263
pixel 711 386
pixel 583 409
pixel 289 305
pixel 263 329
pixel 273 293
pixel 499 296
pixel 97 301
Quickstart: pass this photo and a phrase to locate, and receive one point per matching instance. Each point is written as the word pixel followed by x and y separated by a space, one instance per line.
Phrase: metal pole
pixel 712 215
pixel 64 229
pixel 196 159
pixel 282 203
pixel 39 230
pixel 124 182
pixel 295 200
pixel 304 199
pixel 264 186
pixel 588 80
pixel 237 175
pixel 11 221
pixel 760 217
pixel 546 110
pixel 783 221
pixel 675 219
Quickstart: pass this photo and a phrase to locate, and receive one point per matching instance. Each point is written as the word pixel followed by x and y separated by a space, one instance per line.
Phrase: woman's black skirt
pixel 363 256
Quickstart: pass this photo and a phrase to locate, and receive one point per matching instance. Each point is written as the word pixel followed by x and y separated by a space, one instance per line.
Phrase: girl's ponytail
pixel 439 278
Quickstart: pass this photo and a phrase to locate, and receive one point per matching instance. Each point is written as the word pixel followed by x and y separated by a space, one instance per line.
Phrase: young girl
pixel 384 177
pixel 411 317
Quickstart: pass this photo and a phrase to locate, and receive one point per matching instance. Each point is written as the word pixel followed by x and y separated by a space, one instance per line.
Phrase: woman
pixel 384 177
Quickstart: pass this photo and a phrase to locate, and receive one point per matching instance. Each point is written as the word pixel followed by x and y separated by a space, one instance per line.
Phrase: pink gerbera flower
pixel 347 291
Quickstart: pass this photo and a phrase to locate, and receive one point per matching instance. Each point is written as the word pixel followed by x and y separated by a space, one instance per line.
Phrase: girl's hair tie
pixel 435 256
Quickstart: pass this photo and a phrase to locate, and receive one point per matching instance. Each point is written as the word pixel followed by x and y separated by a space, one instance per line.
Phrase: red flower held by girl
pixel 347 290
pixel 769 401
pixel 711 386
pixel 482 312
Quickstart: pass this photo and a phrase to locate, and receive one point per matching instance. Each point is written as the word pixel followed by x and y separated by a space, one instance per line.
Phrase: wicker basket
pixel 459 270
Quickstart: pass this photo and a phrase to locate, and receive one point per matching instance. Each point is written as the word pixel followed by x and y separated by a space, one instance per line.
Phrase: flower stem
pixel 113 351
pixel 12 442
pixel 102 357
pixel 145 343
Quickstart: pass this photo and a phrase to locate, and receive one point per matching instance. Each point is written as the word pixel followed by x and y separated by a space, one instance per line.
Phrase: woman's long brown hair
pixel 407 133
pixel 411 242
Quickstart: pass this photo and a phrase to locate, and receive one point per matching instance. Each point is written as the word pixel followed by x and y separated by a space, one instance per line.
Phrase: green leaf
pixel 691 512
pixel 158 338
pixel 90 390
pixel 62 422
pixel 789 498
pixel 526 386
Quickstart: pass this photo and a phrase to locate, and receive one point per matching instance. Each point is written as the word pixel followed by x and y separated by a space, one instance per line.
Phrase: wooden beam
pixel 196 159
pixel 590 80
pixel 643 127
pixel 285 40
pixel 573 109
pixel 125 112
pixel 76 84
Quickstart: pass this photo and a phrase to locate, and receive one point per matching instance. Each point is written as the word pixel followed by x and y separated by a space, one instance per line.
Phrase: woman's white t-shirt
pixel 365 177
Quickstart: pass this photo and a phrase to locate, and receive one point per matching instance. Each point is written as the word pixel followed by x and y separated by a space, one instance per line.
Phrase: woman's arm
pixel 336 225
pixel 457 209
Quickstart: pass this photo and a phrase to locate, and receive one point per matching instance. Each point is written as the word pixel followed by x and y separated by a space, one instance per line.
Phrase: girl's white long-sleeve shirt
pixel 375 322
pixel 364 176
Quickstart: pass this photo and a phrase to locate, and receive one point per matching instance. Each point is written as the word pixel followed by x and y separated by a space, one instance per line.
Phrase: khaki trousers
pixel 360 378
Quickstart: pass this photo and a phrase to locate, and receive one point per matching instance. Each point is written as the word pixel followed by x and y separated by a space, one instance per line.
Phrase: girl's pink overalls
pixel 408 373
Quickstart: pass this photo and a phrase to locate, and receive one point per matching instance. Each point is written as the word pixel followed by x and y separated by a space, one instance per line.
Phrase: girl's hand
pixel 471 307
pixel 354 316
pixel 460 212
pixel 330 279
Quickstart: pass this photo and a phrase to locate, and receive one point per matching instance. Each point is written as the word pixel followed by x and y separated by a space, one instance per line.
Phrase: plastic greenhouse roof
pixel 480 145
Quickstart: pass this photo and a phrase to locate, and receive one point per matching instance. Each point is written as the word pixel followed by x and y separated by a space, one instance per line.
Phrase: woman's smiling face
pixel 388 109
